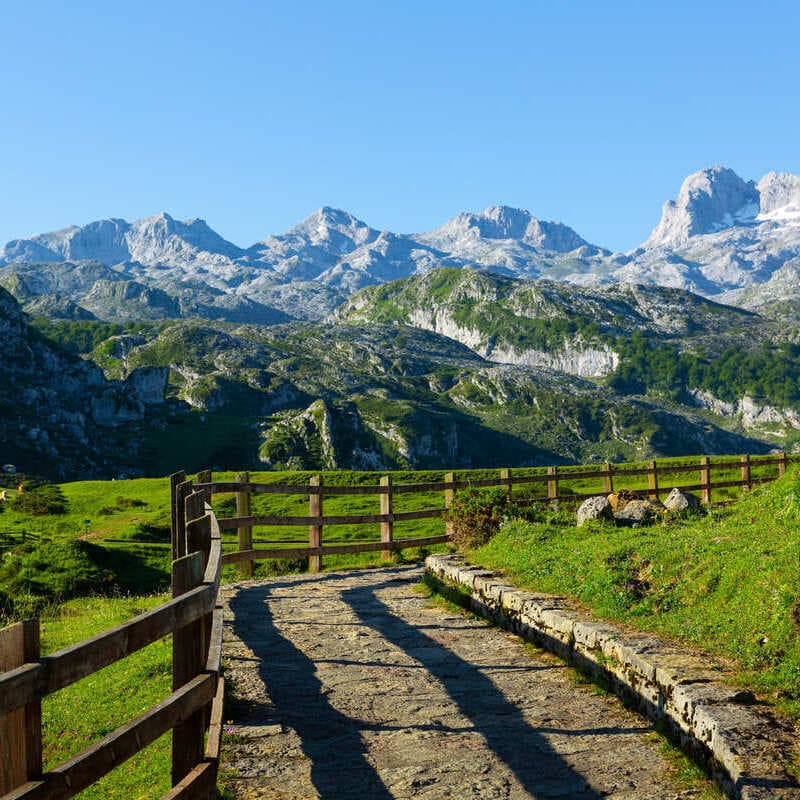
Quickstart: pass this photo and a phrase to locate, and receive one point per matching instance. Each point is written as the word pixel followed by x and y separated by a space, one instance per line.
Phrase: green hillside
pixel 728 583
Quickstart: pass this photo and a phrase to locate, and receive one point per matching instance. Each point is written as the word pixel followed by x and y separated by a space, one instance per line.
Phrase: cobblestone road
pixel 352 685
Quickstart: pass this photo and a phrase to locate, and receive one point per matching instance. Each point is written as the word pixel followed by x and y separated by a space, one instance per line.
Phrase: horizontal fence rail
pixel 193 710
pixel 553 483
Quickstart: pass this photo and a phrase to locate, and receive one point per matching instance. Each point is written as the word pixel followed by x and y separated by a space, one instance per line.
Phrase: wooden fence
pixel 193 711
pixel 551 481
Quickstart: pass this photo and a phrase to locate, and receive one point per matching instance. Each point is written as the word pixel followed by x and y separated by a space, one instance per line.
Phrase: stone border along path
pixel 354 685
pixel 747 747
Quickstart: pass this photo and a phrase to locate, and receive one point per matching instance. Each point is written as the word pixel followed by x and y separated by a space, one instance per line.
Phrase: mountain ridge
pixel 720 235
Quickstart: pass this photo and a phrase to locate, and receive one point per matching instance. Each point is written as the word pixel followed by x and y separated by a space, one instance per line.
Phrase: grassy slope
pixel 129 519
pixel 86 711
pixel 728 583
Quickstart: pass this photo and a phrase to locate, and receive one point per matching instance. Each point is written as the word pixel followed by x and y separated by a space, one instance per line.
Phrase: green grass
pixel 75 717
pixel 115 532
pixel 728 583
pixel 127 522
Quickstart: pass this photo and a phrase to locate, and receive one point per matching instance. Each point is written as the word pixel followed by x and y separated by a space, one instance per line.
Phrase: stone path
pixel 352 685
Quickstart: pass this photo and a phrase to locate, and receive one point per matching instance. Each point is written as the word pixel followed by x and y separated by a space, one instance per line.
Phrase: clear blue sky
pixel 251 115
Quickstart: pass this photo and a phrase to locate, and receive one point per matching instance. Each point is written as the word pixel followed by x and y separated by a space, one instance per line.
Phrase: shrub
pixel 476 515
pixel 120 504
pixel 54 569
pixel 42 501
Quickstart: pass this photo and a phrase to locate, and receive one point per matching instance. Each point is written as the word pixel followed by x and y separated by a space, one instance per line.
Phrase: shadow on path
pixel 523 748
pixel 331 740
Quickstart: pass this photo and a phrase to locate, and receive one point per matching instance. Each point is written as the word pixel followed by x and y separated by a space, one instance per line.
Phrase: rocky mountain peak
pixel 708 201
pixel 157 239
pixel 333 228
pixel 779 196
pixel 505 223
pixel 103 240
pixel 160 237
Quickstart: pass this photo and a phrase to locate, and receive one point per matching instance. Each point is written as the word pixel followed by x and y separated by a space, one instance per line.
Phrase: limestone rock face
pixel 709 200
pixel 681 501
pixel 594 508
pixel 148 383
pixel 57 411
pixel 779 196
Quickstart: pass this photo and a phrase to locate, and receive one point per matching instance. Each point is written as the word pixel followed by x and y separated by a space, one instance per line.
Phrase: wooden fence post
pixel 315 509
pixel 175 480
pixel 449 495
pixel 505 480
pixel 746 484
pixel 552 483
pixel 20 729
pixel 194 508
pixel 198 537
pixel 245 533
pixel 188 657
pixel 182 491
pixel 608 479
pixel 705 479
pixel 782 464
pixel 204 476
pixel 387 507
pixel 652 481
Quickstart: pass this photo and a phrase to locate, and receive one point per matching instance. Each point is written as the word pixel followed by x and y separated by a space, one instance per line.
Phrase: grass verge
pixel 727 583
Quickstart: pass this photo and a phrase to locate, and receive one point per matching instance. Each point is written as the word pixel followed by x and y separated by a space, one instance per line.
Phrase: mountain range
pixel 495 339
pixel 723 237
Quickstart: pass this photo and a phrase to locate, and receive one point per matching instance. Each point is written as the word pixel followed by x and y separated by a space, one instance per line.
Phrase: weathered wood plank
pixel 214 740
pixel 214 654
pixel 288 489
pixel 188 656
pixel 315 528
pixel 449 497
pixel 705 479
pixel 198 537
pixel 387 521
pixel 174 481
pixel 65 666
pixel 182 491
pixel 244 532
pixel 74 775
pixel 20 729
pixel 608 479
pixel 199 784
pixel 652 481
pixel 204 477
pixel 552 483
pixel 229 523
pixel 334 549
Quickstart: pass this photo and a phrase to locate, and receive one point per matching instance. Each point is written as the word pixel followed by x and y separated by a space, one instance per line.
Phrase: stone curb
pixel 746 747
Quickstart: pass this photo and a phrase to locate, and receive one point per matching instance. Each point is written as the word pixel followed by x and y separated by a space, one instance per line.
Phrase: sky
pixel 251 115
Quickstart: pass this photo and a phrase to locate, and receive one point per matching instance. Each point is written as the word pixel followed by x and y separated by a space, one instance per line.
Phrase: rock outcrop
pixel 594 508
pixel 677 501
